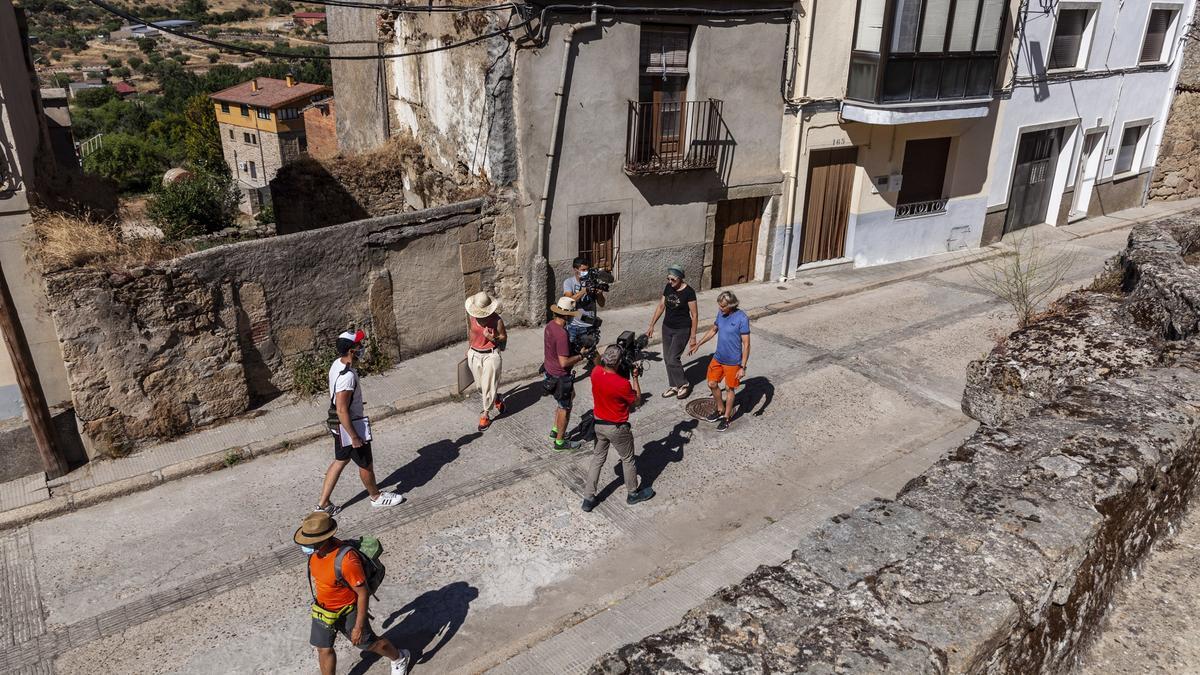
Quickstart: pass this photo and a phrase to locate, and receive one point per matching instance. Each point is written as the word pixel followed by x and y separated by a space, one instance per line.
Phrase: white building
pixel 1089 99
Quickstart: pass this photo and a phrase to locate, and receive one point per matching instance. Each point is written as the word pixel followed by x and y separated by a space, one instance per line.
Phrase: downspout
pixel 552 152
pixel 790 228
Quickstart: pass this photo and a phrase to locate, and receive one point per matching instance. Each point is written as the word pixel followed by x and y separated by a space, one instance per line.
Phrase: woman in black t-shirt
pixel 678 309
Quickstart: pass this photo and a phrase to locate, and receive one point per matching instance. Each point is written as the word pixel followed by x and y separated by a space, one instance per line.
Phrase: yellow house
pixel 262 128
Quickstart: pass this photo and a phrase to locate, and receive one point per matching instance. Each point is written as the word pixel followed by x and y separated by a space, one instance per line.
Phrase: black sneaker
pixel 589 503
pixel 639 496
pixel 714 417
pixel 723 425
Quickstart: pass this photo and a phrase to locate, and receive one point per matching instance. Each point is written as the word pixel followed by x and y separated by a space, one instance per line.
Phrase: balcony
pixel 924 60
pixel 670 137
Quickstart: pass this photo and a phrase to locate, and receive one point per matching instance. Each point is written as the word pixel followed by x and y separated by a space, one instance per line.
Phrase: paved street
pixel 490 562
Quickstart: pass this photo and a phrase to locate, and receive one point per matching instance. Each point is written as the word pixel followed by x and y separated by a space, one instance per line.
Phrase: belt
pixel 611 424
pixel 483 351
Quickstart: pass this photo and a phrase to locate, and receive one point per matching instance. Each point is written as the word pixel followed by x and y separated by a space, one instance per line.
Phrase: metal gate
pixel 1033 179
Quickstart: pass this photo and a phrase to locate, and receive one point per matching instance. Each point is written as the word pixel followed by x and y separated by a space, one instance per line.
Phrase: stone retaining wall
pixel 1005 554
pixel 162 349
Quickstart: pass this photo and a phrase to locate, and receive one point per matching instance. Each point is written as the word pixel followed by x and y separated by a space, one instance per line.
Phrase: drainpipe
pixel 795 177
pixel 552 152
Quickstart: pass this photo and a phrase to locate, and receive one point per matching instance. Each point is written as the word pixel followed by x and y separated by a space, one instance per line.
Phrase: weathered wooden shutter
pixel 665 50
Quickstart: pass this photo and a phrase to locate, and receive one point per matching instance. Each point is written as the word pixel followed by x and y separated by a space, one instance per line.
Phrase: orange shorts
pixel 718 372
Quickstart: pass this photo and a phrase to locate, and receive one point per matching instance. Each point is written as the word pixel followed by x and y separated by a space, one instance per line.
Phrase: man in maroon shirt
pixel 614 397
pixel 560 381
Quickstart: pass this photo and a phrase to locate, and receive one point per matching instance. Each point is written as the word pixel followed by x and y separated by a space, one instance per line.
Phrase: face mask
pixel 308 550
pixel 583 273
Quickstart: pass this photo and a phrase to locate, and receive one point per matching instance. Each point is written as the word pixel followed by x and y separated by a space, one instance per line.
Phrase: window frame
pixel 224 108
pixel 1086 39
pixel 1138 159
pixel 245 110
pixel 262 113
pixel 615 239
pixel 288 114
pixel 1169 37
pixel 946 165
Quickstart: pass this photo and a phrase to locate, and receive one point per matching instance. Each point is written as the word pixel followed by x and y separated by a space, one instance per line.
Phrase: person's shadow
pixel 428 462
pixel 522 397
pixel 756 390
pixel 432 620
pixel 696 369
pixel 655 457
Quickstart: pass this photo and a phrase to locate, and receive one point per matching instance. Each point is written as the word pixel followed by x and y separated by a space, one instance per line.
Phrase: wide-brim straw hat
pixel 564 307
pixel 481 305
pixel 316 528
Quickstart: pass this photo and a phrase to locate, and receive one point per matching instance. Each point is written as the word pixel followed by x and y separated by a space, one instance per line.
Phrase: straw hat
pixel 316 528
pixel 564 307
pixel 481 305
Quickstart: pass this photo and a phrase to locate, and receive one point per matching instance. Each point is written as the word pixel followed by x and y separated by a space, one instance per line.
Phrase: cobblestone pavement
pixel 491 563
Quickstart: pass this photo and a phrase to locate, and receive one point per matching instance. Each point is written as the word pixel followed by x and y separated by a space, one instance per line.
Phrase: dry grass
pixel 63 241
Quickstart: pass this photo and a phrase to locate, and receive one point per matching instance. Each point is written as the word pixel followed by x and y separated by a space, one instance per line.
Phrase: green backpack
pixel 369 550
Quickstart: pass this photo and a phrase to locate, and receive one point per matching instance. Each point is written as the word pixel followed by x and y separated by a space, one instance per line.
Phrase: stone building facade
pixel 261 123
pixel 1177 172
pixel 320 126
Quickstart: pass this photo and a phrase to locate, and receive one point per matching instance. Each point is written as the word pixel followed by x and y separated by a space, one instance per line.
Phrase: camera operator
pixel 586 298
pixel 614 398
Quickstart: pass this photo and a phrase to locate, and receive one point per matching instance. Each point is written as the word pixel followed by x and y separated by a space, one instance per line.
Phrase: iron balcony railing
pixel 674 136
pixel 928 208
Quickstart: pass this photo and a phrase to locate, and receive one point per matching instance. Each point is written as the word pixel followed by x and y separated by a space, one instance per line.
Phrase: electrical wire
pixel 285 55
pixel 409 9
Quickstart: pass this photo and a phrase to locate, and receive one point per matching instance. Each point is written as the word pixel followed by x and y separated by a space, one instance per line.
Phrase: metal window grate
pixel 598 239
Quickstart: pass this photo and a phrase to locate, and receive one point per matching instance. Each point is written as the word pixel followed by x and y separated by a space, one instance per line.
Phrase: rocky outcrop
pixel 1005 554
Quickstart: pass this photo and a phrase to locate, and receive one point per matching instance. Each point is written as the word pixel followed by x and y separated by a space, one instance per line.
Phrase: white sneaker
pixel 400 665
pixel 332 509
pixel 388 499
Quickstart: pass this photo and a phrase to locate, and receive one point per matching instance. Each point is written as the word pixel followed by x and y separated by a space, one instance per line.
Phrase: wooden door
pixel 830 184
pixel 1029 198
pixel 736 241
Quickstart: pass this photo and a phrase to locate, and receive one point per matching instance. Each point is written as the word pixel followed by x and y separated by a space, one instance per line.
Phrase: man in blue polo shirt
pixel 732 329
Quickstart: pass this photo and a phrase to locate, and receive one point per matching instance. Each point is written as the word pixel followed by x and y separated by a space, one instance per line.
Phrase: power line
pixel 286 55
pixel 409 9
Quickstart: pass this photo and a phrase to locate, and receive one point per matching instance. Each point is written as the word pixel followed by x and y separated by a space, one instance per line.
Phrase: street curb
pixel 66 502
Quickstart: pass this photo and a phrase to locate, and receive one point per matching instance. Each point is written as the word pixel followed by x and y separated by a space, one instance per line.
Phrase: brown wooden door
pixel 830 182
pixel 736 241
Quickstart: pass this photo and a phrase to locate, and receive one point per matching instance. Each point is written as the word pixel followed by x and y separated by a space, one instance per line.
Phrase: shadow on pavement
pixel 655 457
pixel 523 397
pixel 429 461
pixel 757 390
pixel 432 620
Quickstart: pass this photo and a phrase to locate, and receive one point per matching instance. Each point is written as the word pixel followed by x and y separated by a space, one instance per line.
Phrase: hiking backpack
pixel 369 551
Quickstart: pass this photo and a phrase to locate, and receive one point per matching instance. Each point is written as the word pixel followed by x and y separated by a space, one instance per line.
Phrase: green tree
pixel 132 161
pixel 201 203
pixel 147 45
pixel 94 98
pixel 136 62
pixel 214 56
pixel 121 72
pixel 202 136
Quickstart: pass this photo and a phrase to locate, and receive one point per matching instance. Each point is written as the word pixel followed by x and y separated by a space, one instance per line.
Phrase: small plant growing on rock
pixel 310 372
pixel 232 458
pixel 1026 277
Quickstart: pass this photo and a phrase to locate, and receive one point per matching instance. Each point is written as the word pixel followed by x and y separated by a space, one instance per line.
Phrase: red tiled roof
pixel 309 15
pixel 124 88
pixel 271 93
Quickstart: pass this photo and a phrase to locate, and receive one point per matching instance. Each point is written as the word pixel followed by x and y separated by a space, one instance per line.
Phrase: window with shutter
pixel 933 25
pixel 990 26
pixel 665 50
pixel 1068 38
pixel 598 239
pixel 962 33
pixel 1156 35
pixel 870 25
pixel 904 33
pixel 1127 154
pixel 924 170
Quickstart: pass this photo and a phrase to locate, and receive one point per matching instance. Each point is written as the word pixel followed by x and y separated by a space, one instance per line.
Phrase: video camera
pixel 632 346
pixel 598 280
pixel 587 341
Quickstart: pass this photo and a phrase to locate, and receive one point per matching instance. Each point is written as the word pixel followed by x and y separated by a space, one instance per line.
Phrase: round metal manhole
pixel 701 408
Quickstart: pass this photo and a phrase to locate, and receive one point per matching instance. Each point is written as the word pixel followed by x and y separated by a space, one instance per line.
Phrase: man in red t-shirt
pixel 614 397
pixel 345 602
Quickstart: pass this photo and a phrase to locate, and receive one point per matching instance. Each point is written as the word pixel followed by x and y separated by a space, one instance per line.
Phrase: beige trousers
pixel 485 368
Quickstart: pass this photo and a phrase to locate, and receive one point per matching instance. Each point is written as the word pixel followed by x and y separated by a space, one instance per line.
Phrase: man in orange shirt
pixel 341 606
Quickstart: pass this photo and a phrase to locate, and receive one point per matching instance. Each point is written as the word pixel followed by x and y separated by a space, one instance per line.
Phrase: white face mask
pixel 583 273
pixel 308 550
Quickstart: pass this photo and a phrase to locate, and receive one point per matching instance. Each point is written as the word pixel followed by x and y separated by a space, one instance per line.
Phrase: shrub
pixel 310 372
pixel 214 56
pixel 135 62
pixel 94 98
pixel 134 162
pixel 266 215
pixel 202 203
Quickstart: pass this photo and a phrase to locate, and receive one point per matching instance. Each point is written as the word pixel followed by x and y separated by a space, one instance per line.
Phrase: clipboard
pixel 465 377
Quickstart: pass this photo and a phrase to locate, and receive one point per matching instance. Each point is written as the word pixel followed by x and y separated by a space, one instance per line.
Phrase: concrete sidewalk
pixel 428 379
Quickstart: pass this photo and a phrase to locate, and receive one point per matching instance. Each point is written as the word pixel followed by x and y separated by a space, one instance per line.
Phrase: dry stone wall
pixel 1177 172
pixel 1005 554
pixel 159 350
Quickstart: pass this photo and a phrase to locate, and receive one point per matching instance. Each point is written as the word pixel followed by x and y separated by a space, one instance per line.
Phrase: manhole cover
pixel 701 408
